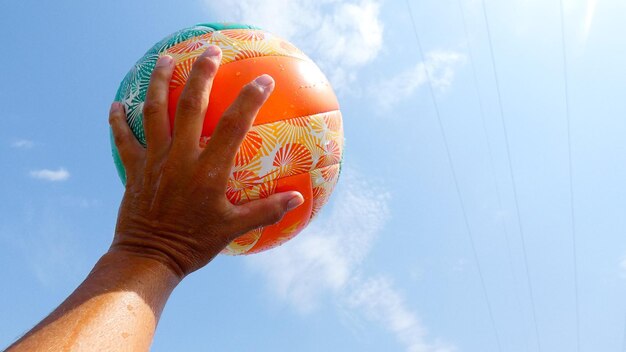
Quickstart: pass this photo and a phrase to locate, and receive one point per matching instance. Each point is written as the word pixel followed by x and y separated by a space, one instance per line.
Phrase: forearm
pixel 117 307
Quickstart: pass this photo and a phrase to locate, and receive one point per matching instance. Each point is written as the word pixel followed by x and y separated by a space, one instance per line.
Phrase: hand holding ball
pixel 296 141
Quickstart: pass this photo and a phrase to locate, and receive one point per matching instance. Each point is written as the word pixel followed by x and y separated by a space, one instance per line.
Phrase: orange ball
pixel 296 142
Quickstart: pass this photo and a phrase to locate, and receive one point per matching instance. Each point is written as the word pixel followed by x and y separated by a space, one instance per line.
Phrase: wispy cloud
pixel 50 175
pixel 322 258
pixel 324 262
pixel 530 18
pixel 591 9
pixel 22 144
pixel 382 303
pixel 341 36
pixel 441 67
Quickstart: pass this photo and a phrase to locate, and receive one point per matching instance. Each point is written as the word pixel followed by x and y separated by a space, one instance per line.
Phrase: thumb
pixel 266 211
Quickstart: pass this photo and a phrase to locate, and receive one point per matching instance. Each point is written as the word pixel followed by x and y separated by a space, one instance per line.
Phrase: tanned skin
pixel 174 217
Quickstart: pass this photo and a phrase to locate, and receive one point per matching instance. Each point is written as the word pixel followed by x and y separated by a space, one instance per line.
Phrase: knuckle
pixel 205 182
pixel 190 103
pixel 210 190
pixel 114 116
pixel 170 167
pixel 233 125
pixel 112 119
pixel 152 107
pixel 275 214
pixel 119 137
pixel 119 140
pixel 132 183
pixel 206 65
pixel 251 92
pixel 153 164
pixel 159 73
pixel 229 213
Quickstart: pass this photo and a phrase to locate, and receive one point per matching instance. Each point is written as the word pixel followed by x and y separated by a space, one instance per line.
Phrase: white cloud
pixel 530 18
pixel 324 261
pixel 23 144
pixel 324 254
pixel 591 8
pixel 382 303
pixel 50 175
pixel 441 67
pixel 341 36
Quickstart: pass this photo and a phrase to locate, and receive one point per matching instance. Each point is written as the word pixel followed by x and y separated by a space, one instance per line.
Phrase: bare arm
pixel 115 309
pixel 174 217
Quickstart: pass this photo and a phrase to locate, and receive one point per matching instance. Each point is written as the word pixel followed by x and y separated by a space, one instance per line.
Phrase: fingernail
pixel 264 81
pixel 295 202
pixel 213 51
pixel 164 61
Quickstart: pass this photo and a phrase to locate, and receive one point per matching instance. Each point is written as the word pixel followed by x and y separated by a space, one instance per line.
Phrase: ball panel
pixel 242 244
pixel 321 186
pixel 283 148
pixel 117 160
pixel 294 221
pixel 218 26
pixel 178 37
pixel 268 153
pixel 274 235
pixel 268 165
pixel 236 44
pixel 324 180
pixel 301 90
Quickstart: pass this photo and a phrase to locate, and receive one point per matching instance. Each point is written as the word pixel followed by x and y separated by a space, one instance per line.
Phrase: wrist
pixel 155 254
pixel 132 270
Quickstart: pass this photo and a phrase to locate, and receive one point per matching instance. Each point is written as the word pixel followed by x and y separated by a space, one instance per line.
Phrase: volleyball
pixel 296 141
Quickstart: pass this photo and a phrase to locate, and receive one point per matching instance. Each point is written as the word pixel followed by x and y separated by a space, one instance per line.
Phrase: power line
pixel 624 338
pixel 489 148
pixel 454 176
pixel 508 153
pixel 488 143
pixel 571 178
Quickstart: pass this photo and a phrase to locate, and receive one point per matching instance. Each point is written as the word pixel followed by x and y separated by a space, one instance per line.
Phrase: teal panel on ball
pixel 121 172
pixel 224 25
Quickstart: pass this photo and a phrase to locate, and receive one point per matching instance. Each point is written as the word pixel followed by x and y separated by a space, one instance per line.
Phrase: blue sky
pixel 389 264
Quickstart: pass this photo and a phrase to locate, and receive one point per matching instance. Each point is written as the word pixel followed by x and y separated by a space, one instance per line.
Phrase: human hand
pixel 174 208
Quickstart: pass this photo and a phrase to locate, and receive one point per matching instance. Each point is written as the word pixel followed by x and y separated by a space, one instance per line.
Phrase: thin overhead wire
pixel 456 182
pixel 570 172
pixel 492 168
pixel 624 338
pixel 510 162
pixel 487 139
